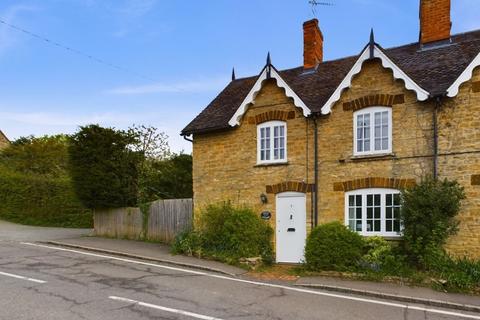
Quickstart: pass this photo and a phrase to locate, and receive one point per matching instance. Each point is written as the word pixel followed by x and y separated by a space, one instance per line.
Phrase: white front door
pixel 291 227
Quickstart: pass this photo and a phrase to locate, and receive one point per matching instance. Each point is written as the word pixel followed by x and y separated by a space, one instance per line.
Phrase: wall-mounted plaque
pixel 266 215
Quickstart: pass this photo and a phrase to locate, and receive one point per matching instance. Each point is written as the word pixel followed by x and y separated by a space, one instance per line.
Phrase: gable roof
pixel 434 70
pixel 268 72
pixel 374 51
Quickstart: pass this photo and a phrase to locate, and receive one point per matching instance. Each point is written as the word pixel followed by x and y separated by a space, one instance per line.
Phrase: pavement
pixel 46 281
pixel 146 251
pixel 397 292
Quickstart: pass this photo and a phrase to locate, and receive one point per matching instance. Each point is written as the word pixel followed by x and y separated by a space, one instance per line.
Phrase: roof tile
pixel 434 69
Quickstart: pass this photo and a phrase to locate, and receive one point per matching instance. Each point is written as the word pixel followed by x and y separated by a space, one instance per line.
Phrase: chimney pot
pixel 435 22
pixel 312 44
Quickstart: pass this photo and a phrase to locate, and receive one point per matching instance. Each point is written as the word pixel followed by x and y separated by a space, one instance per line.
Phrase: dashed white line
pixel 271 285
pixel 16 276
pixel 171 310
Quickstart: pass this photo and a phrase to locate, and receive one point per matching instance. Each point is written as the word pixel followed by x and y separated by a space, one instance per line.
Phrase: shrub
pixel 41 200
pixel 188 243
pixel 456 275
pixel 377 251
pixel 384 258
pixel 228 234
pixel 428 214
pixel 332 246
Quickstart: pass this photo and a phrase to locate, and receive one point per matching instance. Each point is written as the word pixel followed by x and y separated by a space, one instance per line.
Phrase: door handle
pixel 291 230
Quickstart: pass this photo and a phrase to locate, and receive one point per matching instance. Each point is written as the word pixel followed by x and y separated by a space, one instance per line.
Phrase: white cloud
pixel 208 85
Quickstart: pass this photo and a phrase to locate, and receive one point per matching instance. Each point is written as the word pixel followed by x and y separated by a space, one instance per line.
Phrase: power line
pixel 75 51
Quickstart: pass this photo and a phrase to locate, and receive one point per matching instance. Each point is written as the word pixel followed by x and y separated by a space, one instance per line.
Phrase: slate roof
pixel 434 69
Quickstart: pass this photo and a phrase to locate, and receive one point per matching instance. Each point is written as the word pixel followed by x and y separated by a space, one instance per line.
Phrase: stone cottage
pixel 338 140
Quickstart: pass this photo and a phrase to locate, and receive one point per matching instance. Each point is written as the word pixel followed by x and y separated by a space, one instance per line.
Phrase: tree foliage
pixel 47 155
pixel 115 168
pixel 150 142
pixel 428 214
pixel 170 178
pixel 103 167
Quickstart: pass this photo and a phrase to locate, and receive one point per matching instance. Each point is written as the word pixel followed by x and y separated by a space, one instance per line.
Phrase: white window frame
pixel 271 125
pixel 371 111
pixel 363 193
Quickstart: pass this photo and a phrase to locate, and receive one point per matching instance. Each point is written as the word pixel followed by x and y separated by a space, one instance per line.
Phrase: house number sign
pixel 266 215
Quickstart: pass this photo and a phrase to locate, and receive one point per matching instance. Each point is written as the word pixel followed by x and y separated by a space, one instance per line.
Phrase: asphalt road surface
pixel 44 282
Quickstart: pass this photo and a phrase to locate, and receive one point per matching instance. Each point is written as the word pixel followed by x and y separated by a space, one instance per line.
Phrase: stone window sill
pixel 380 156
pixel 386 237
pixel 274 164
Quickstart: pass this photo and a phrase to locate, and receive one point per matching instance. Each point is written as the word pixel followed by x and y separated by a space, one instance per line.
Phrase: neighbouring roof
pixel 3 136
pixel 435 70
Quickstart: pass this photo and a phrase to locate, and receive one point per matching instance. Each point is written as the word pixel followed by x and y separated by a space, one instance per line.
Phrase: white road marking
pixel 21 277
pixel 154 306
pixel 271 285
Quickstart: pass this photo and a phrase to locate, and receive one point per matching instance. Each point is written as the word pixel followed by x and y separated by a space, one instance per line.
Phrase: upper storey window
pixel 272 142
pixel 372 131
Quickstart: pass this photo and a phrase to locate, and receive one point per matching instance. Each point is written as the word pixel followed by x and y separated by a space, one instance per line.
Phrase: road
pixel 43 282
pixel 16 232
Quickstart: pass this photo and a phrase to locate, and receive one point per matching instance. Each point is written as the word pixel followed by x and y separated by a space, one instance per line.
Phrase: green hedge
pixel 40 200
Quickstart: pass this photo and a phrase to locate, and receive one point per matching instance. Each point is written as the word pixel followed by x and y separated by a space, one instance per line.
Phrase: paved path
pixel 151 251
pixel 43 282
pixel 403 293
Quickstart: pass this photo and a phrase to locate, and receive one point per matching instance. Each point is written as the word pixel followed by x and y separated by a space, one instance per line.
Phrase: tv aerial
pixel 315 4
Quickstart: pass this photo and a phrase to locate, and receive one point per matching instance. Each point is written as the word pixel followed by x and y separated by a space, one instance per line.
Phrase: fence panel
pixel 166 219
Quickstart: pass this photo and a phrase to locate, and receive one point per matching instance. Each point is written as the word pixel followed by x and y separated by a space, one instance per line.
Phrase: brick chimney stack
pixel 312 44
pixel 435 23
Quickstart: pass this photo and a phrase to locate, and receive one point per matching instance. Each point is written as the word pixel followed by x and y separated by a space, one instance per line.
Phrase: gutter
pixel 188 139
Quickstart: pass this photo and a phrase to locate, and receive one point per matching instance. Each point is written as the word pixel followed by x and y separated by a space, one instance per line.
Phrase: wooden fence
pixel 165 219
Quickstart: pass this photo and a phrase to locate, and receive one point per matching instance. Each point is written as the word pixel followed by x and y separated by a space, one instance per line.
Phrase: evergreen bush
pixel 332 246
pixel 428 215
pixel 104 168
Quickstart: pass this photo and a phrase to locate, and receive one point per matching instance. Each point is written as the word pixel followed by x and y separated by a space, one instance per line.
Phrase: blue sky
pixel 179 53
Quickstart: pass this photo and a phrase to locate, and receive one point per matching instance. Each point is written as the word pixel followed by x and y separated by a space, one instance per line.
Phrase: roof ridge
pixel 427 68
pixel 385 49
